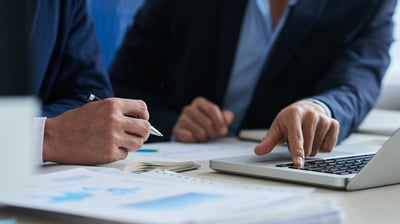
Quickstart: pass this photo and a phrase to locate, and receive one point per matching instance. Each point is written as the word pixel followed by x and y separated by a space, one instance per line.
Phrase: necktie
pixel 277 9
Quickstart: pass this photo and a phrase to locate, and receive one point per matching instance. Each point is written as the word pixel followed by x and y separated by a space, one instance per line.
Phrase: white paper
pixel 165 197
pixel 229 147
pixel 177 151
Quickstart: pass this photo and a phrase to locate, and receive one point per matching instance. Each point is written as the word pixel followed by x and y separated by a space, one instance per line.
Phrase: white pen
pixel 153 130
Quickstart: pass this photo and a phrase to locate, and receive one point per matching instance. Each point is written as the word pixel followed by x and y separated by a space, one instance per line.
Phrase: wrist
pixel 48 138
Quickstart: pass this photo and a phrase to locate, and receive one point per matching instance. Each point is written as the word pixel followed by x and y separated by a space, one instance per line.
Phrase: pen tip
pixel 156 132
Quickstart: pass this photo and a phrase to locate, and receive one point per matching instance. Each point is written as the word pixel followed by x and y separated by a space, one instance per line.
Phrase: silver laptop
pixel 372 166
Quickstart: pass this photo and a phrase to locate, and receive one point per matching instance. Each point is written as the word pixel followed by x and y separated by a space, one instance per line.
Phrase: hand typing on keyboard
pixel 305 127
pixel 341 166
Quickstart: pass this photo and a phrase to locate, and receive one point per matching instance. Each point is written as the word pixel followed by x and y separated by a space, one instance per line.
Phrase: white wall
pixel 393 73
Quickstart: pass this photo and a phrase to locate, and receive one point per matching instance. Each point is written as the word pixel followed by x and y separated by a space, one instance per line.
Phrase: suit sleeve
pixel 353 83
pixel 81 69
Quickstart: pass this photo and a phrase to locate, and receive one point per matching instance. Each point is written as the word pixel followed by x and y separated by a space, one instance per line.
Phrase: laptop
pixel 349 167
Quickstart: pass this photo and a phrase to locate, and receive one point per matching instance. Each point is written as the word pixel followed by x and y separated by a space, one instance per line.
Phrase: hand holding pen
pixel 153 130
pixel 98 132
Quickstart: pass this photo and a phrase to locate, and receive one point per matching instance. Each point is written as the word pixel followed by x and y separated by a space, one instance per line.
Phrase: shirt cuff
pixel 323 105
pixel 39 125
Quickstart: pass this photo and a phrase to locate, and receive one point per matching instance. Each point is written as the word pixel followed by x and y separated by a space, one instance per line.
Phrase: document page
pixel 167 197
pixel 178 151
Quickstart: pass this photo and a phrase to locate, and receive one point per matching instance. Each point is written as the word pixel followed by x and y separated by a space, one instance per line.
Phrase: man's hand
pixel 202 121
pixel 305 127
pixel 98 132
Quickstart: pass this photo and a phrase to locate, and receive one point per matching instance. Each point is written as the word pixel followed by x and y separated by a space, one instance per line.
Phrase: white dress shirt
pixel 256 40
pixel 257 37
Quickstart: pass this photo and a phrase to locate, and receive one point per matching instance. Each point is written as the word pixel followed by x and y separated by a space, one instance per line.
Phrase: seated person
pixel 309 71
pixel 66 68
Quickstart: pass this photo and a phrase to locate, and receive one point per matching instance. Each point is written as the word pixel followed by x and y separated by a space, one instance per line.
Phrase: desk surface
pixel 378 205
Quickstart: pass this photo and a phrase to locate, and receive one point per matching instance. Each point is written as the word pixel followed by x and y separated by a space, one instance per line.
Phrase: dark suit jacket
pixel 65 65
pixel 333 50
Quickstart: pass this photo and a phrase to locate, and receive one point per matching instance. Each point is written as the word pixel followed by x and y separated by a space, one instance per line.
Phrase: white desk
pixel 378 205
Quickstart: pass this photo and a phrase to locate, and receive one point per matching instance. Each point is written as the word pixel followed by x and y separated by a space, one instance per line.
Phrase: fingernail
pixel 299 161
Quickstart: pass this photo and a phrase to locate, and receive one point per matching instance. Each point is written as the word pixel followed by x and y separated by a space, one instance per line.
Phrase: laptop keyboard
pixel 340 166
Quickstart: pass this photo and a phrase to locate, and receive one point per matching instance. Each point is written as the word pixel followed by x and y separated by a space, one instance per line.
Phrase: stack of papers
pixel 139 166
pixel 110 195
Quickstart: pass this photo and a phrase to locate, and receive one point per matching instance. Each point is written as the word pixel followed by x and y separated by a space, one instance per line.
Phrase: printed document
pixel 167 197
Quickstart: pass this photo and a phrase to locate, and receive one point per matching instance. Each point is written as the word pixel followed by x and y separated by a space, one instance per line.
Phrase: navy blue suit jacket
pixel 66 64
pixel 333 50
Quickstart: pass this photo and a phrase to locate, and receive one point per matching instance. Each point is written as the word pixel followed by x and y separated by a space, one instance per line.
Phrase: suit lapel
pixel 298 23
pixel 230 24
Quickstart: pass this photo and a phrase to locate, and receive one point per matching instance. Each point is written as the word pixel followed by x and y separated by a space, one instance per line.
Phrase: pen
pixel 153 130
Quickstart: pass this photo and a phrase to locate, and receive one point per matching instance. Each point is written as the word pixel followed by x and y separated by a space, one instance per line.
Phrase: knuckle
pixel 335 125
pixel 111 104
pixel 141 104
pixel 295 138
pixel 187 110
pixel 293 109
pixel 213 108
pixel 196 101
pixel 112 124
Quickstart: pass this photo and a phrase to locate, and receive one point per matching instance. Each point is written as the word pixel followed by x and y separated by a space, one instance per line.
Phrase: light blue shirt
pixel 256 40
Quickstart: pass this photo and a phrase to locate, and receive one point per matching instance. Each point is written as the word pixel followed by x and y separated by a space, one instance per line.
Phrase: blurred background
pixel 112 18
